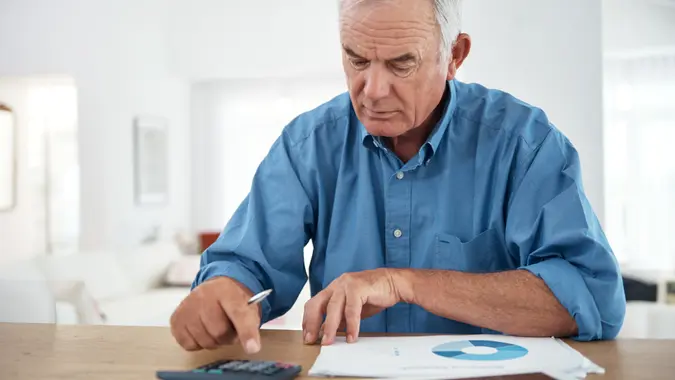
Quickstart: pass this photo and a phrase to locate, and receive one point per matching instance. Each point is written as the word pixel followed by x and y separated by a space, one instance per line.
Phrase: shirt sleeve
pixel 262 244
pixel 555 233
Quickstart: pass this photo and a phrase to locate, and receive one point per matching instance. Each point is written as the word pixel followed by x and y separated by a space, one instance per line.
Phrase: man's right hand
pixel 217 313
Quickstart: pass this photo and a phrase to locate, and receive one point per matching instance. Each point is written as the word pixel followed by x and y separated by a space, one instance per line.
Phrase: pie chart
pixel 485 350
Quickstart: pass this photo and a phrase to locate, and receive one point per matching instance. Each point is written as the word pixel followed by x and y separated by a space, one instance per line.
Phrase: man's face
pixel 392 63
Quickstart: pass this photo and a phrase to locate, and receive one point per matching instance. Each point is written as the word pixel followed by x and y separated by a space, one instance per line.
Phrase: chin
pixel 384 128
pixel 381 130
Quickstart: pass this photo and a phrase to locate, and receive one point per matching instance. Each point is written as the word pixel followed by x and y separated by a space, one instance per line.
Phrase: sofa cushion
pixel 182 271
pixel 26 301
pixel 151 308
pixel 146 266
pixel 74 298
pixel 100 272
pixel 25 296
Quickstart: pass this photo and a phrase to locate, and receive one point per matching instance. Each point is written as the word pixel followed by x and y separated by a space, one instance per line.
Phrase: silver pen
pixel 259 297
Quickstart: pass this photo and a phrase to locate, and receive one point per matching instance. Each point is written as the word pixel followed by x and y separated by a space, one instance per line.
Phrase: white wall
pixel 631 26
pixel 217 39
pixel 549 54
pixel 117 53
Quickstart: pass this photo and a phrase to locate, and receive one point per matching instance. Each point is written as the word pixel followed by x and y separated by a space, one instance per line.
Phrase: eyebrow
pixel 351 52
pixel 400 59
pixel 403 58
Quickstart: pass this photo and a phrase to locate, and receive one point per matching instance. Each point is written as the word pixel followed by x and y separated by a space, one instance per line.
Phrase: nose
pixel 377 84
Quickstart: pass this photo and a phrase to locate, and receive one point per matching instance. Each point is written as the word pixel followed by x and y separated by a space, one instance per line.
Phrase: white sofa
pixel 24 295
pixel 139 287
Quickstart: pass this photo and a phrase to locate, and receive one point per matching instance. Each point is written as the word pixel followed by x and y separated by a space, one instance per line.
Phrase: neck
pixel 409 144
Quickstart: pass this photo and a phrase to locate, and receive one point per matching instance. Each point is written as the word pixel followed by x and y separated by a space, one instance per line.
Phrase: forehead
pixel 387 27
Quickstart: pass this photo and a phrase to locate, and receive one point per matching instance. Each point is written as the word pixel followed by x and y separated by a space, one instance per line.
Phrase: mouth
pixel 379 114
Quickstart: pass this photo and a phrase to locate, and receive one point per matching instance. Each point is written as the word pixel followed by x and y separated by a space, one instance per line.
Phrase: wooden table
pixel 39 352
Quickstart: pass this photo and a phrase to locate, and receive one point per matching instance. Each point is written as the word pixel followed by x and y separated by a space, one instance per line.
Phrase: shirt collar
pixel 434 140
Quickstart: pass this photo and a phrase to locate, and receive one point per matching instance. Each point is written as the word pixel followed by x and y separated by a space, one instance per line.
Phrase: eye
pixel 403 69
pixel 358 64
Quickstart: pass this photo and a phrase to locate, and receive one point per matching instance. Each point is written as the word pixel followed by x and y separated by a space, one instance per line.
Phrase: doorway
pixel 45 219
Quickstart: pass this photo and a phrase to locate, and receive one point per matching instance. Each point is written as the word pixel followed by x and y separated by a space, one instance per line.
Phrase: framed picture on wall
pixel 7 158
pixel 151 168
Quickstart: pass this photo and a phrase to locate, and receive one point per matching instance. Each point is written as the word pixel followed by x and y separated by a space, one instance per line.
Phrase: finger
pixel 188 342
pixel 217 324
pixel 319 336
pixel 184 338
pixel 352 315
pixel 200 335
pixel 313 316
pixel 334 315
pixel 246 321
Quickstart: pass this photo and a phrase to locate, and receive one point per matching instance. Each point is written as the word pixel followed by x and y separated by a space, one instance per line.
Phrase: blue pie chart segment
pixel 501 350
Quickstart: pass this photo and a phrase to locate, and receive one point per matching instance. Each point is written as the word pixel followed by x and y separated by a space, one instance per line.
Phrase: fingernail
pixel 324 340
pixel 350 338
pixel 307 337
pixel 252 346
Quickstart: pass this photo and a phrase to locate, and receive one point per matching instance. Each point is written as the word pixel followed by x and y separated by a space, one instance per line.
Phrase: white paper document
pixel 451 357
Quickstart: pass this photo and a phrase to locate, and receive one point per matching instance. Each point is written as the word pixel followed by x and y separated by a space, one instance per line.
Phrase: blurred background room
pixel 130 131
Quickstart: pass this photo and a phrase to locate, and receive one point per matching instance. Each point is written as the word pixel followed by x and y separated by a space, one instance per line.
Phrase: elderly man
pixel 433 206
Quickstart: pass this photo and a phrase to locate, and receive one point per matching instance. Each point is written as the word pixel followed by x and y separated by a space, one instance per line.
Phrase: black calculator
pixel 235 370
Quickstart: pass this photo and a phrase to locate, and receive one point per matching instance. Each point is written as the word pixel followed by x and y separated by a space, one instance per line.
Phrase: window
pixel 640 158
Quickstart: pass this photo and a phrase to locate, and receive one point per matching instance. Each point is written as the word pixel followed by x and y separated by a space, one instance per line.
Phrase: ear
pixel 460 50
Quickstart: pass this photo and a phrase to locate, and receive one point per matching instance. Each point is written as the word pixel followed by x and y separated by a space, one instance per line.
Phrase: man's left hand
pixel 347 300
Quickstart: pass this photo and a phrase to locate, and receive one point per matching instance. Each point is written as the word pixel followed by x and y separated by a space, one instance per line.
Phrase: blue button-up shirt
pixel 496 187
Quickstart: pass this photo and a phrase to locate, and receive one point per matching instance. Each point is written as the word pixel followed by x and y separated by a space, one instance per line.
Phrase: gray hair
pixel 449 19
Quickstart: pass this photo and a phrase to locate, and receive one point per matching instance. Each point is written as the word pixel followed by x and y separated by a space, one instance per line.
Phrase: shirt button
pixel 400 175
pixel 398 233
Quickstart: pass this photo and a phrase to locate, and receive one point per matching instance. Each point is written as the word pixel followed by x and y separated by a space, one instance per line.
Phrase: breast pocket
pixel 481 254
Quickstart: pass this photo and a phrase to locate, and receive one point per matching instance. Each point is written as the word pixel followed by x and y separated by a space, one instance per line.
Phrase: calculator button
pixel 230 365
pixel 254 368
pixel 218 371
pixel 259 367
pixel 233 365
pixel 245 367
pixel 214 365
pixel 271 370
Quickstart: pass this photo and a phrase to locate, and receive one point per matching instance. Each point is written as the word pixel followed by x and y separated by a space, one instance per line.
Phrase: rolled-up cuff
pixel 237 273
pixel 570 289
